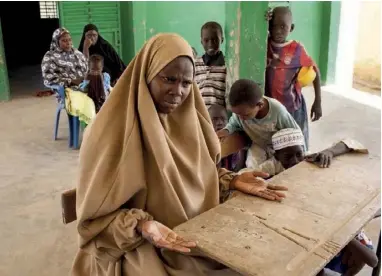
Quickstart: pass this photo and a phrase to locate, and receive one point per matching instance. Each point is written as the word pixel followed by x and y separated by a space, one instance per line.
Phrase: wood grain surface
pixel 323 211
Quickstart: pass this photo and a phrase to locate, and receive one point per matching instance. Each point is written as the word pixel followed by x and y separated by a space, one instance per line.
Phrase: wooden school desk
pixel 323 211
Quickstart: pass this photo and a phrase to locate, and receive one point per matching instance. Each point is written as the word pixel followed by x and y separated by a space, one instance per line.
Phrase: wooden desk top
pixel 323 211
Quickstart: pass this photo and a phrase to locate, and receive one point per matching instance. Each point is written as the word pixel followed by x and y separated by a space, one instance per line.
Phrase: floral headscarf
pixel 54 45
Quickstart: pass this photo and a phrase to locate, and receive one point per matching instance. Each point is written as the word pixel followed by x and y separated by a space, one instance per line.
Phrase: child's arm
pixel 234 125
pixel 307 61
pixel 324 158
pixel 316 111
pixel 363 252
pixel 82 86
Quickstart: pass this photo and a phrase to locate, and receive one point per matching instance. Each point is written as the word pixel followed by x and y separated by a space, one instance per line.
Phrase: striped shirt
pixel 284 62
pixel 211 81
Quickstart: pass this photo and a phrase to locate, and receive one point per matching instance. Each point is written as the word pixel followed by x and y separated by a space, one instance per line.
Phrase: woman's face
pixel 172 85
pixel 92 35
pixel 65 42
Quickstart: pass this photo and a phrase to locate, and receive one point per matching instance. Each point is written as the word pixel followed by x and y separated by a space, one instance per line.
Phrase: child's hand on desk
pixel 322 159
pixel 223 133
pixel 253 183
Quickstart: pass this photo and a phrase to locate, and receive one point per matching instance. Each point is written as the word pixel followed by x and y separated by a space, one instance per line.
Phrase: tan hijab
pixel 135 157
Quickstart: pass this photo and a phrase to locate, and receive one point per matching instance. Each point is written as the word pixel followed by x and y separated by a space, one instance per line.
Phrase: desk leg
pixel 377 269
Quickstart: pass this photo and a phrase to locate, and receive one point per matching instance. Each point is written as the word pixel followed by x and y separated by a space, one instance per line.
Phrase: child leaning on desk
pixel 288 145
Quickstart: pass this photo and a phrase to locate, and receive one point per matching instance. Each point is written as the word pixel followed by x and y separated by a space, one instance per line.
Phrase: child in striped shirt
pixel 210 69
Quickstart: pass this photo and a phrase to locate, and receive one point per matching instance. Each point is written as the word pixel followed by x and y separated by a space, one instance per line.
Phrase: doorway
pixel 27 28
pixel 367 61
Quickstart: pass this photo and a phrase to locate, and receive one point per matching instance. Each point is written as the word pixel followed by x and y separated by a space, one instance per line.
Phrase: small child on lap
pixel 284 61
pixel 96 84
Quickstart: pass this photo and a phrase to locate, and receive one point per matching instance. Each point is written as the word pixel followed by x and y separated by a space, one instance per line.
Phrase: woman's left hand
pixel 252 183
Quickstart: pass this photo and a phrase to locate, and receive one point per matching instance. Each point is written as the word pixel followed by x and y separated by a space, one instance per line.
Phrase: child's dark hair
pixel 95 88
pixel 95 58
pixel 245 92
pixel 283 10
pixel 212 25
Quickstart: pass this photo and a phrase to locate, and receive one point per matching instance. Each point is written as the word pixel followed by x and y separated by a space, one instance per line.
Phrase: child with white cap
pixel 288 145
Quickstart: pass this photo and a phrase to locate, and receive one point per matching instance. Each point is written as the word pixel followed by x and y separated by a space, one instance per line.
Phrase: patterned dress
pixel 60 67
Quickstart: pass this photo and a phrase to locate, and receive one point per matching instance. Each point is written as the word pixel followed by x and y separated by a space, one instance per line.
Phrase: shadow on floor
pixel 25 81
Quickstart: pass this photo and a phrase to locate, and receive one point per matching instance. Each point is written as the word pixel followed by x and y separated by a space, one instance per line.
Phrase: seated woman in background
pixel 93 43
pixel 62 64
pixel 96 84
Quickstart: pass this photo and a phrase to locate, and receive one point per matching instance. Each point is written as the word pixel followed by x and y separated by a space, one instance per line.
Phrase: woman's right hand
pixel 88 42
pixel 161 236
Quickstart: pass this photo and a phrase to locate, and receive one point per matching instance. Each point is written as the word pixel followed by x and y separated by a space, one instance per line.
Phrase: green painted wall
pixel 333 27
pixel 253 40
pixel 150 18
pixel 316 27
pixel 245 30
pixel 307 18
pixel 4 83
pixel 127 26
pixel 232 39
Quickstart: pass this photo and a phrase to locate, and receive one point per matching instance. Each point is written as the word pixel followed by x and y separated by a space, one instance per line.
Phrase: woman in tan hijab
pixel 148 164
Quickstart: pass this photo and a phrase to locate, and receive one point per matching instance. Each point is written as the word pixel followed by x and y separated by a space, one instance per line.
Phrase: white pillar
pixel 347 38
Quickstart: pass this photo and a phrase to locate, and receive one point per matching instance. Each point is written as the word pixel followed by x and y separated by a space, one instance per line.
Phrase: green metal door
pixel 105 15
pixel 4 83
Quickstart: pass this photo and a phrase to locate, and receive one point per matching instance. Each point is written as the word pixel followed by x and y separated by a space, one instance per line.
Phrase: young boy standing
pixel 259 117
pixel 210 69
pixel 284 61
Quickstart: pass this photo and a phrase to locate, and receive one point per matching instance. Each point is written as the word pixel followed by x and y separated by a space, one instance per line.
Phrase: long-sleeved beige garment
pixel 137 164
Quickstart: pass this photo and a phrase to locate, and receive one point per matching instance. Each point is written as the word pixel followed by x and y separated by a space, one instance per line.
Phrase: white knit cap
pixel 287 137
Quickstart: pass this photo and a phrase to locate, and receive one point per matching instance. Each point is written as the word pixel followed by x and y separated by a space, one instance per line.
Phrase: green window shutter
pixel 105 15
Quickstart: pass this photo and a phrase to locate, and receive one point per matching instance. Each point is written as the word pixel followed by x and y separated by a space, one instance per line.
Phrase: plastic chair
pixel 74 123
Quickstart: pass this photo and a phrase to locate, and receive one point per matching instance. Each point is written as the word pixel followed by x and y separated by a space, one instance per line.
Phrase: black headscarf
pixel 112 62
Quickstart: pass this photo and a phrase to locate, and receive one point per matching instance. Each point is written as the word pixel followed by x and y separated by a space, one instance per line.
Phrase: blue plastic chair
pixel 74 122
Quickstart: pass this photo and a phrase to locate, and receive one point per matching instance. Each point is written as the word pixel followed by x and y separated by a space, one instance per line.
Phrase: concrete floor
pixel 34 170
pixel 25 81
